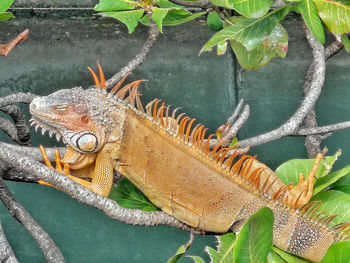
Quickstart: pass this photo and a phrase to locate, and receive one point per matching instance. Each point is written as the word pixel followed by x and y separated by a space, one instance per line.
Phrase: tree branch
pixel 313 141
pixel 291 126
pixel 234 123
pixel 333 49
pixel 139 58
pixel 34 152
pixel 303 131
pixel 9 129
pixel 84 195
pixel 6 253
pixel 238 123
pixel 50 250
pixel 237 110
pixel 17 98
pixel 12 174
pixel 22 131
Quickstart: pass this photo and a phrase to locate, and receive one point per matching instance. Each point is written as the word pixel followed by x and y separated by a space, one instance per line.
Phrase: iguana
pixel 169 159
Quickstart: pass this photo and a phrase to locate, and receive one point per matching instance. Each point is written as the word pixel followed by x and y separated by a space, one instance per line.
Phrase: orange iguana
pixel 169 159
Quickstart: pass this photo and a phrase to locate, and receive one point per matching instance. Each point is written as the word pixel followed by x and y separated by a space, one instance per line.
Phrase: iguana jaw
pixel 46 127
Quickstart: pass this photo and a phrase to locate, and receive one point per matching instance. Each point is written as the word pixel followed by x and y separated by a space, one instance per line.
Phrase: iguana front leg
pixel 101 175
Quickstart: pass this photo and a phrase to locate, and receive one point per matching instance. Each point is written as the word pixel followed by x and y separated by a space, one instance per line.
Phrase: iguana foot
pixel 97 186
pixel 64 170
pixel 303 191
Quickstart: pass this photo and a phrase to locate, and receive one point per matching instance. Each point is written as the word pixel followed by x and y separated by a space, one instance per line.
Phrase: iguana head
pixel 86 119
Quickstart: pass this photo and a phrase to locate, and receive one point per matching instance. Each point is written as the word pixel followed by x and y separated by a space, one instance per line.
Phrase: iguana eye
pixel 60 108
pixel 87 142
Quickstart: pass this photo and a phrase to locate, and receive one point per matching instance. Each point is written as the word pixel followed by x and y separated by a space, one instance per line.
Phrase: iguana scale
pixel 169 159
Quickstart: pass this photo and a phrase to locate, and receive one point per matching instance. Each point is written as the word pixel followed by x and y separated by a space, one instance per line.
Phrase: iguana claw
pixel 64 170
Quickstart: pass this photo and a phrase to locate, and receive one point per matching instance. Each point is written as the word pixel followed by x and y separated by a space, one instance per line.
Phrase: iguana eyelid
pixel 61 107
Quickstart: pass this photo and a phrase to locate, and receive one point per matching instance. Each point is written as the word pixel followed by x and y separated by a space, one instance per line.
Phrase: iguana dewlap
pixel 168 158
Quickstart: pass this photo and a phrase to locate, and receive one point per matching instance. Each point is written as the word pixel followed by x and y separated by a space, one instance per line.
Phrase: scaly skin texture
pixel 170 162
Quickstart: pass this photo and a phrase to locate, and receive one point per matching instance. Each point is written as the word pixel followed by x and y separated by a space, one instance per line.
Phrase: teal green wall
pixel 207 87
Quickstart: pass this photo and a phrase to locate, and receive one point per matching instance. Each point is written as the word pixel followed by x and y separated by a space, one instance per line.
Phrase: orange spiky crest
pixel 97 82
pixel 100 83
pixel 102 77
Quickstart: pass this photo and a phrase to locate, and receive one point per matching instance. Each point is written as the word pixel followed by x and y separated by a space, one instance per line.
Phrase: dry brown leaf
pixel 6 48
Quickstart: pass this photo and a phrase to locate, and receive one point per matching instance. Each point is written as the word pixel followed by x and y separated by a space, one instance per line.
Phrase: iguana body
pixel 169 160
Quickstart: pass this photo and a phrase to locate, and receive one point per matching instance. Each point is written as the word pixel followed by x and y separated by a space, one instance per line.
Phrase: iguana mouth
pixel 46 127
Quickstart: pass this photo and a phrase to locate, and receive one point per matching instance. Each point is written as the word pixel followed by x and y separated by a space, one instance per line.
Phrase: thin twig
pixel 238 124
pixel 139 58
pixel 303 131
pixel 50 250
pixel 237 110
pixel 333 49
pixel 6 253
pixel 84 195
pixel 291 126
pixel 233 124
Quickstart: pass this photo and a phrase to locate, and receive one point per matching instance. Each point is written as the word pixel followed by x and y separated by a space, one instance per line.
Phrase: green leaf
pixel 232 20
pixel 113 5
pixel 181 251
pixel 233 142
pixel 180 16
pixel 158 16
pixel 249 32
pixel 343 188
pixel 331 178
pixel 247 8
pixel 273 257
pixel 309 13
pixel 338 252
pixel 222 48
pixel 224 252
pixel 214 21
pixel 5 15
pixel 335 15
pixel 335 203
pixel 343 184
pixel 128 196
pixel 342 181
pixel 4 5
pixel 275 45
pixel 346 42
pixel 129 18
pixel 197 259
pixel 289 257
pixel 254 241
pixel 167 4
pixel 289 171
pixel 175 17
